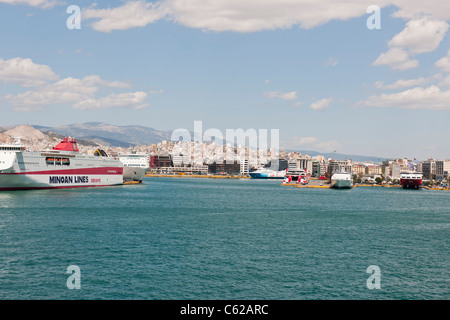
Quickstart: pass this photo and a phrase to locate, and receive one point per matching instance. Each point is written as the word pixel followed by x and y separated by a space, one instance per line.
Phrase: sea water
pixel 186 238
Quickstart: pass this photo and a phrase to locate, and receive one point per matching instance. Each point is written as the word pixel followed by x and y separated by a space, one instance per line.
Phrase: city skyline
pixel 319 75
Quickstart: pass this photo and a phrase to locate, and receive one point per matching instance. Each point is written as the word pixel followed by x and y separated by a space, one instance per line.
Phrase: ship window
pixel 66 162
pixel 50 161
pixel 58 161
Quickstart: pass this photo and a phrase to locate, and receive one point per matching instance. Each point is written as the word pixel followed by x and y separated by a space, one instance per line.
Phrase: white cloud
pixel 130 15
pixel 310 143
pixel 304 141
pixel 331 62
pixel 227 15
pixel 245 16
pixel 444 63
pixel 431 98
pixel 160 91
pixel 412 9
pixel 329 146
pixel 420 35
pixel 34 3
pixel 64 91
pixel 68 90
pixel 95 80
pixel 252 15
pixel 445 82
pixel 400 84
pixel 285 96
pixel 396 58
pixel 25 72
pixel 131 100
pixel 321 104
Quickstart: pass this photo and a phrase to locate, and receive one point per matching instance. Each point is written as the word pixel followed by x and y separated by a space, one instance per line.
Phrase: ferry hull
pixel 133 173
pixel 58 179
pixel 257 175
pixel 411 183
pixel 298 178
pixel 411 180
pixel 341 184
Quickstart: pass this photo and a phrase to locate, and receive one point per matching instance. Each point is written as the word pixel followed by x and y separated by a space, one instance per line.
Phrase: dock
pixel 131 182
pixel 196 176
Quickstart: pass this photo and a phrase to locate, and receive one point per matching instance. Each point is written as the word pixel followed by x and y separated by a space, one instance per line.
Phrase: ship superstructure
pixel 135 165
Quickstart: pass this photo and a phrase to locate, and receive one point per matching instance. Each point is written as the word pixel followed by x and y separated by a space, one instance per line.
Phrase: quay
pixel 295 185
pixel 195 176
pixel 132 182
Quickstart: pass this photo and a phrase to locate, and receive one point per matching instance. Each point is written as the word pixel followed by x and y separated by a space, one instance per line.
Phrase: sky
pixel 330 75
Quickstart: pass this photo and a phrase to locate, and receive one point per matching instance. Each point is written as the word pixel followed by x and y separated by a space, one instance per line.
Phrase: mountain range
pixel 110 135
pixel 130 135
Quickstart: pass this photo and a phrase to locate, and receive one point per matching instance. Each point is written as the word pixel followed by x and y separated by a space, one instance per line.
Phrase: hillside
pixel 111 135
pixel 37 140
pixel 93 134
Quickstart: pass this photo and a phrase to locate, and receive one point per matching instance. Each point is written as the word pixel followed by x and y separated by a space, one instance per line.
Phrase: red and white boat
pixel 411 180
pixel 62 167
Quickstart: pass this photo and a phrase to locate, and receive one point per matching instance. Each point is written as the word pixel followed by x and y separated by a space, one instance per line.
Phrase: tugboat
pixel 62 167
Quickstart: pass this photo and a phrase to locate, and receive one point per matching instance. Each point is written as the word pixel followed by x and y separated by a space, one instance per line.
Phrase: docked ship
pixel 411 180
pixel 341 180
pixel 62 167
pixel 297 175
pixel 267 174
pixel 135 165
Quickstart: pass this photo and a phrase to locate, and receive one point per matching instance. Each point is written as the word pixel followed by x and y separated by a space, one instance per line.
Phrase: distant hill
pixel 25 132
pixel 111 135
pixel 36 139
pixel 100 133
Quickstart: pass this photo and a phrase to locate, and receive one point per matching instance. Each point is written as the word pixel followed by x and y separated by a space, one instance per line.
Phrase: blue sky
pixel 316 73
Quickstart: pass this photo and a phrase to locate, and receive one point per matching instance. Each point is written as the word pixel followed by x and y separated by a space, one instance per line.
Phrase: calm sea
pixel 178 238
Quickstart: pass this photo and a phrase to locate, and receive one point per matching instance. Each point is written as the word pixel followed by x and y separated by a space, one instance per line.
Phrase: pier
pixel 195 176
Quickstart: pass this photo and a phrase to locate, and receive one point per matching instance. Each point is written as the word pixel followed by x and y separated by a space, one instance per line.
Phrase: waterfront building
pixel 395 171
pixel 339 166
pixel 371 178
pixel 184 170
pixel 447 168
pixel 442 169
pixel 181 160
pixel 319 166
pixel 225 168
pixel 159 161
pixel 419 167
pixel 429 169
pixel 372 169
pixel 244 167
pixel 358 169
pixel 301 163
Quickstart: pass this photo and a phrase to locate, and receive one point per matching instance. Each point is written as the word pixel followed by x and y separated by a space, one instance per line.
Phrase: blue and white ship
pixel 267 174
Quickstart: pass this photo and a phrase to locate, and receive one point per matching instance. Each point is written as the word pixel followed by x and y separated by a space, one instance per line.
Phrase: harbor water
pixel 181 238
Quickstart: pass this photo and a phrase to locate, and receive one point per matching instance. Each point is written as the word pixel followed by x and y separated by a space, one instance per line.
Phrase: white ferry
pixel 62 167
pixel 341 180
pixel 135 165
